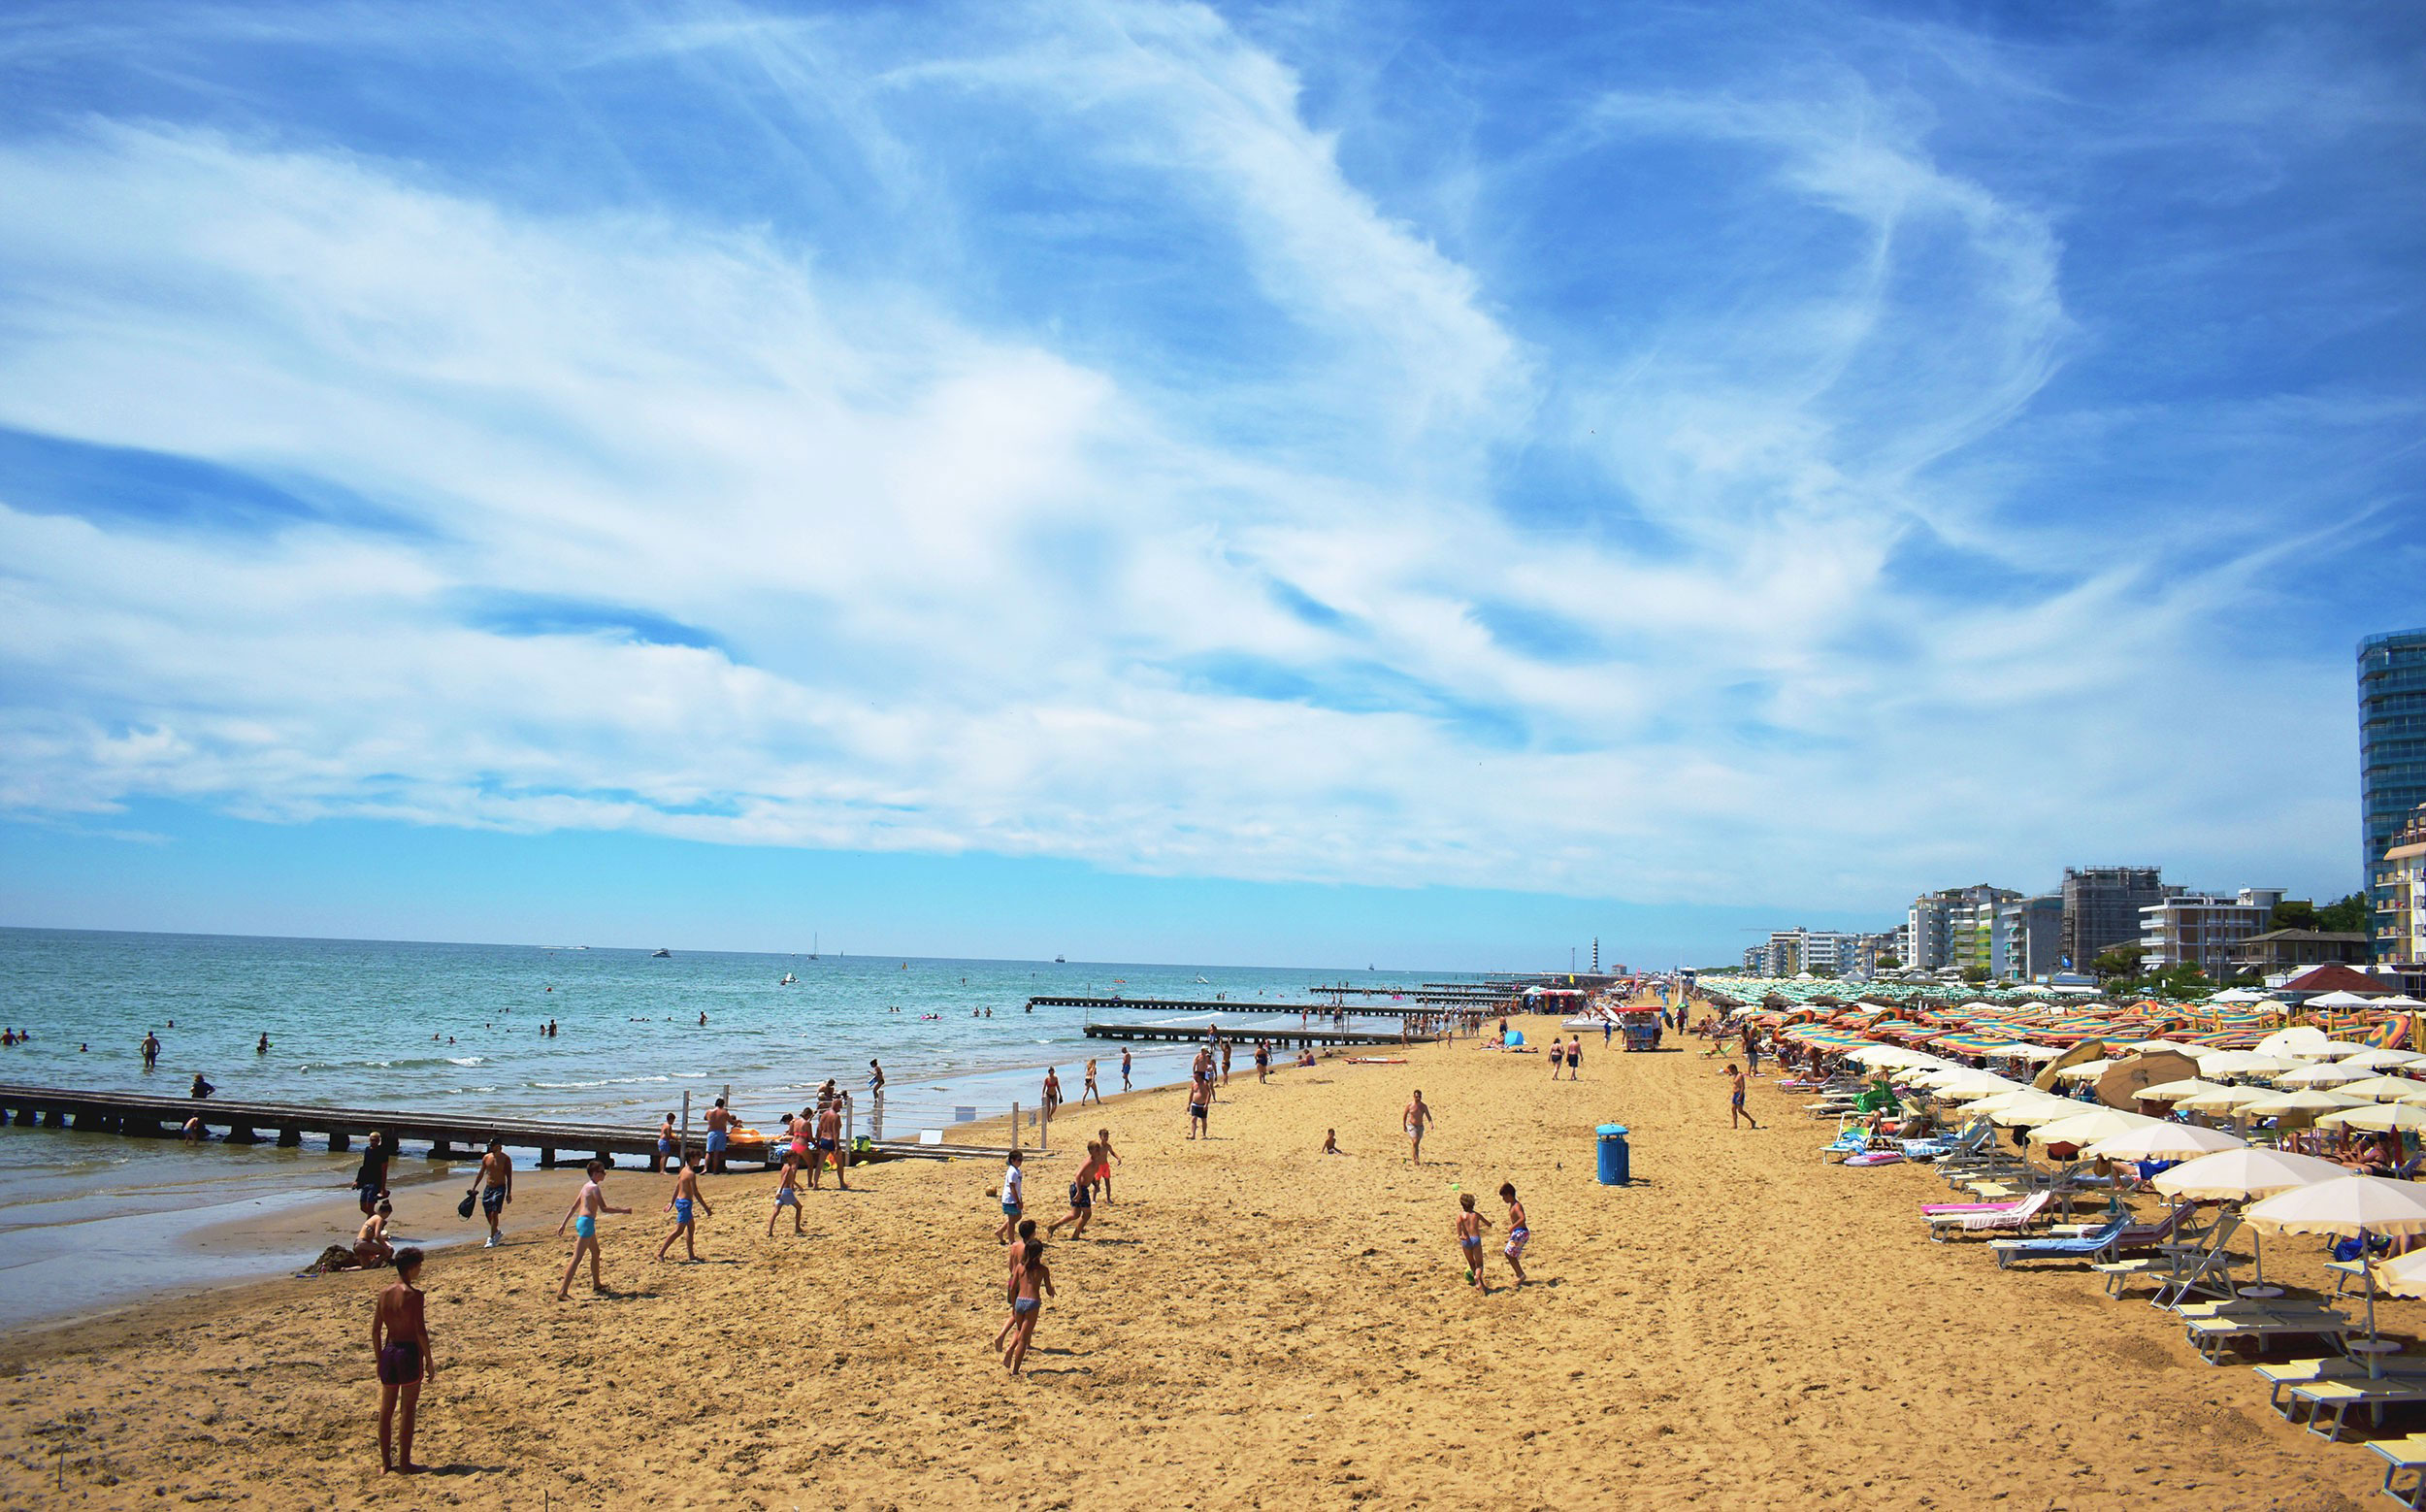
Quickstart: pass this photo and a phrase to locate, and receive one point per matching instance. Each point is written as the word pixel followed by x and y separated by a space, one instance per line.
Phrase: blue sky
pixel 1276 483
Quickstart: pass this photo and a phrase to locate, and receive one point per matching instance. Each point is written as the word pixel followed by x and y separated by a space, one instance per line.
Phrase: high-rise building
pixel 2034 938
pixel 1956 927
pixel 2401 881
pixel 2200 928
pixel 2102 908
pixel 2392 752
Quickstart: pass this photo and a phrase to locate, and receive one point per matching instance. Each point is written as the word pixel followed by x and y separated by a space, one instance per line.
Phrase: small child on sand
pixel 787 1194
pixel 588 1204
pixel 1470 1226
pixel 1010 1293
pixel 1517 1232
pixel 1081 1195
pixel 1103 1165
pixel 1011 1204
pixel 1736 1116
pixel 1331 1142
pixel 686 1193
pixel 1035 1284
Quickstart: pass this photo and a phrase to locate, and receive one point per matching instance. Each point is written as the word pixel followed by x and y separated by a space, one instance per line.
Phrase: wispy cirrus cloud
pixel 1048 431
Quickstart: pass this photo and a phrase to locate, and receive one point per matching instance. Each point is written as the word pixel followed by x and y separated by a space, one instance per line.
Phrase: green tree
pixel 2349 916
pixel 2292 914
pixel 1890 960
pixel 1975 974
pixel 2120 960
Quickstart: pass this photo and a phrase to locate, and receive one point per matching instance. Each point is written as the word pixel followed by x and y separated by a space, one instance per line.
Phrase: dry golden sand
pixel 1248 1324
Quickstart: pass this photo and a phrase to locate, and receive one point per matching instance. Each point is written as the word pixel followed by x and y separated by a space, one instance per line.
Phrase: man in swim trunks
pixel 1035 1284
pixel 787 1194
pixel 1575 1057
pixel 686 1196
pixel 1123 1071
pixel 1227 1048
pixel 1199 1104
pixel 588 1205
pixel 497 1189
pixel 1736 1116
pixel 1103 1163
pixel 371 1177
pixel 1417 1118
pixel 151 1049
pixel 665 1146
pixel 400 1345
pixel 1262 1061
pixel 1470 1226
pixel 830 1145
pixel 1517 1232
pixel 1012 1182
pixel 719 1135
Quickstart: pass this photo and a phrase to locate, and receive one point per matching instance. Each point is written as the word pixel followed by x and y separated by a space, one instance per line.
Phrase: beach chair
pixel 2098 1241
pixel 2329 1402
pixel 2015 1219
pixel 2211 1273
pixel 2280 1378
pixel 1846 1144
pixel 2211 1336
pixel 2404 1456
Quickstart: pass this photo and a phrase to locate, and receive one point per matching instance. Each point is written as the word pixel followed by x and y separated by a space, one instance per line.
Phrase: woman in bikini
pixel 400 1342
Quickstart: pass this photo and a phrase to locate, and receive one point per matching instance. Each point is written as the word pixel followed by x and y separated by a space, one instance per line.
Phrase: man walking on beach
pixel 1417 1118
pixel 830 1145
pixel 1200 1102
pixel 497 1189
pixel 587 1205
pixel 1736 1116
pixel 719 1136
pixel 665 1146
pixel 400 1347
pixel 1123 1071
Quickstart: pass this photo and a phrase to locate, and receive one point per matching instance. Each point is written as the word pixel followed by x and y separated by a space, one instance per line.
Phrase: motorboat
pixel 788 980
pixel 661 954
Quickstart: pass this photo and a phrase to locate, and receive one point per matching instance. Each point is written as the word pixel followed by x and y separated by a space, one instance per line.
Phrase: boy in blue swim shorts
pixel 587 1205
pixel 686 1196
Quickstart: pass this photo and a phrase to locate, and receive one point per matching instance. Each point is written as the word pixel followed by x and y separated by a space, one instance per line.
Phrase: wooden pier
pixel 448 1136
pixel 1186 1006
pixel 1185 1033
pixel 1429 995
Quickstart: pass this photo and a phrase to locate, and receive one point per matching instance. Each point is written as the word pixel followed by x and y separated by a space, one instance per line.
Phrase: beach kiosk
pixel 1641 1027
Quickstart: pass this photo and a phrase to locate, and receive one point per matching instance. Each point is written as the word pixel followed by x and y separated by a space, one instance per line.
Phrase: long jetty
pixel 447 1134
pixel 1432 994
pixel 1189 1032
pixel 1199 1005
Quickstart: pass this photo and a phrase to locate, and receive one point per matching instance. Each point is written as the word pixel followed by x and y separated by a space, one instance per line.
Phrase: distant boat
pixel 788 980
pixel 1057 961
pixel 812 944
pixel 1201 979
pixel 662 955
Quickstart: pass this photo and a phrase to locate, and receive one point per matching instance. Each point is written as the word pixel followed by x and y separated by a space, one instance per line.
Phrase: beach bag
pixel 471 1199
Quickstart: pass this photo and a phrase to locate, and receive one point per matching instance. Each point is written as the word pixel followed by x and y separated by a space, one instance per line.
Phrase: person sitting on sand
pixel 787 1194
pixel 588 1205
pixel 1470 1226
pixel 371 1247
pixel 1035 1284
pixel 1736 1116
pixel 1331 1142
pixel 400 1349
pixel 686 1193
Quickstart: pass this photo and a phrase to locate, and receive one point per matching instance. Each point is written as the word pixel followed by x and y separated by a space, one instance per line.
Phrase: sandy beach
pixel 1248 1323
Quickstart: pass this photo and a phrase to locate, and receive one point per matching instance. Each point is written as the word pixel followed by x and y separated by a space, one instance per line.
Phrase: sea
pixel 93 1221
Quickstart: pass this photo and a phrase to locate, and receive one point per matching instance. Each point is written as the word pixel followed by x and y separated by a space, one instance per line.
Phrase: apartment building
pixel 2398 893
pixel 2102 908
pixel 2034 938
pixel 2202 929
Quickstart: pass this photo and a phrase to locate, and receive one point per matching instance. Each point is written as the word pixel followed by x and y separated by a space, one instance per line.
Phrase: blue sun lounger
pixel 2097 1241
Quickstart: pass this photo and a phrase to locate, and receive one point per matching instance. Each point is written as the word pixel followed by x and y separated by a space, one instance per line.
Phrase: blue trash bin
pixel 1615 1161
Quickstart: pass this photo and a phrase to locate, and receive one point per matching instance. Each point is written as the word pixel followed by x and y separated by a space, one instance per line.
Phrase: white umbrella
pixel 2239 1175
pixel 2403 1275
pixel 2244 1062
pixel 2382 1117
pixel 2340 999
pixel 2167 1142
pixel 2354 1206
pixel 2304 1040
pixel 2324 1075
pixel 2089 1128
pixel 2384 1089
pixel 2091 1070
pixel 2017 1111
pixel 2382 1060
pixel 2175 1091
pixel 2308 1100
pixel 2231 1100
pixel 2021 1050
pixel 2401 1002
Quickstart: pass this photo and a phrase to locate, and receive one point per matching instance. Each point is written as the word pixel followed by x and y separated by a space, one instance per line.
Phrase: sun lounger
pixel 2211 1336
pixel 2280 1378
pixel 2346 1273
pixel 2011 1220
pixel 2404 1456
pixel 2329 1402
pixel 2077 1247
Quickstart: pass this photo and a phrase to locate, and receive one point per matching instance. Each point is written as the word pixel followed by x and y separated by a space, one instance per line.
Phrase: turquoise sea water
pixel 456 1029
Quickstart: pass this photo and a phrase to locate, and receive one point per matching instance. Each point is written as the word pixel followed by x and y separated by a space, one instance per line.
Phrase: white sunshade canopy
pixel 2384 1089
pixel 2244 1062
pixel 2304 1041
pixel 2022 1050
pixel 2091 1070
pixel 2175 1091
pixel 2166 1141
pixel 2237 1175
pixel 2377 1116
pixel 2229 1100
pixel 2402 1002
pixel 2383 1060
pixel 2090 1128
pixel 2403 1275
pixel 2342 1000
pixel 1895 1055
pixel 2308 1100
pixel 2350 1205
pixel 1963 1084
pixel 2325 1075
pixel 2045 1107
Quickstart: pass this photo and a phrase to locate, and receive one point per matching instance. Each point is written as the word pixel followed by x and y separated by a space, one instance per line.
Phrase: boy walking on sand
pixel 1736 1116
pixel 830 1145
pixel 686 1195
pixel 1104 1161
pixel 1417 1118
pixel 1035 1284
pixel 1517 1232
pixel 1081 1195
pixel 719 1135
pixel 497 1189
pixel 1199 1100
pixel 587 1205
pixel 400 1344
pixel 1010 1293
pixel 787 1194
pixel 1012 1181
pixel 1470 1226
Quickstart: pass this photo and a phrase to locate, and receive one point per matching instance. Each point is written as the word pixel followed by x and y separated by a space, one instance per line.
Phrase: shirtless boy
pixel 1199 1101
pixel 1125 1064
pixel 1517 1232
pixel 686 1196
pixel 665 1145
pixel 1010 1295
pixel 830 1145
pixel 497 1189
pixel 1081 1194
pixel 1103 1164
pixel 719 1134
pixel 400 1345
pixel 1736 1116
pixel 1035 1284
pixel 1470 1226
pixel 787 1194
pixel 588 1204
pixel 1418 1118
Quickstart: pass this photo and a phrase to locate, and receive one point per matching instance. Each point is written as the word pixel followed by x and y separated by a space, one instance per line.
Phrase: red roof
pixel 2336 978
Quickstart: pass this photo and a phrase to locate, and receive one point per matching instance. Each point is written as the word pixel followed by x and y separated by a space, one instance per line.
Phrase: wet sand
pixel 1247 1322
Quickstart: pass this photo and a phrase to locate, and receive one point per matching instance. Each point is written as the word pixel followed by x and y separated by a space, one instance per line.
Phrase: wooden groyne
pixel 1187 1033
pixel 1428 993
pixel 448 1136
pixel 1191 1006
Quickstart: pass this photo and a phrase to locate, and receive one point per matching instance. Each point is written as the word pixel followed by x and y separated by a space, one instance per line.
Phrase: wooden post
pixel 683 1147
pixel 1014 1125
pixel 850 1127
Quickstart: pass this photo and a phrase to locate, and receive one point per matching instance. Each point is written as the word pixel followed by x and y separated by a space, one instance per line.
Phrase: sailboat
pixel 1204 983
pixel 812 944
pixel 788 980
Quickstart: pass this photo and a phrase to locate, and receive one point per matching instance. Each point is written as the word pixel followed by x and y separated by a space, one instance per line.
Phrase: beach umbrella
pixel 2242 1175
pixel 2403 1275
pixel 2352 1207
pixel 2339 1000
pixel 2091 1070
pixel 2308 1100
pixel 2163 1140
pixel 2377 1117
pixel 2384 1059
pixel 2089 1128
pixel 2017 1111
pixel 2325 1075
pixel 2024 1051
pixel 2401 1004
pixel 2384 1089
pixel 2228 1099
pixel 2121 1085
pixel 2303 1040
pixel 2244 1062
pixel 2175 1091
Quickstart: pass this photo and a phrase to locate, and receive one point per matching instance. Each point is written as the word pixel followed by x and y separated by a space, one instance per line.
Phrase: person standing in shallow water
pixel 400 1345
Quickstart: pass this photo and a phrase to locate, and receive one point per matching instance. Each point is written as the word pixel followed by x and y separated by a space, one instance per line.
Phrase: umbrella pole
pixel 2374 1360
